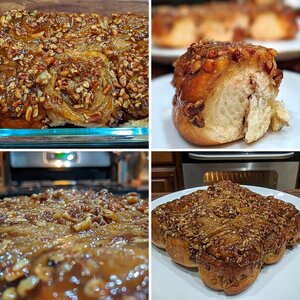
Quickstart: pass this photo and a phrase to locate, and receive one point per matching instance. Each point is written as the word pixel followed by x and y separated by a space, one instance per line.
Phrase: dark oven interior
pixel 34 172
pixel 277 170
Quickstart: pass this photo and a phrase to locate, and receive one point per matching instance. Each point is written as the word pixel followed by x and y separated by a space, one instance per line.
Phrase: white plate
pixel 165 136
pixel 276 282
pixel 287 49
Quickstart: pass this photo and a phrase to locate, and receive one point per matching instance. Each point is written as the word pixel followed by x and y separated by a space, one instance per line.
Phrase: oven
pixel 277 170
pixel 34 172
pixel 83 231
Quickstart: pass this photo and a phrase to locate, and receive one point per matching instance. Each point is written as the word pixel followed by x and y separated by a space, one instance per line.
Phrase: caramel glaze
pixel 81 69
pixel 75 244
pixel 230 224
pixel 197 71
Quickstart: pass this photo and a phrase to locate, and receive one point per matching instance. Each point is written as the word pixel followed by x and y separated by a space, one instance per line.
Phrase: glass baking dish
pixel 76 137
pixel 69 137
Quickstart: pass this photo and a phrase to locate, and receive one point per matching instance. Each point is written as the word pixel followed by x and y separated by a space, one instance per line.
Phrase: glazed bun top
pixel 197 70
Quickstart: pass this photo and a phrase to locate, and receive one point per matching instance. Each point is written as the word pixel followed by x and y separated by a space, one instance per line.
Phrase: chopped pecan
pixel 192 109
pixel 198 122
pixel 236 55
pixel 268 66
pixel 209 66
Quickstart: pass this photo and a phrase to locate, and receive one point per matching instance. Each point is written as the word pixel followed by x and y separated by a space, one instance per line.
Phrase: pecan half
pixel 198 122
pixel 192 109
pixel 236 55
pixel 268 66
pixel 277 77
pixel 209 66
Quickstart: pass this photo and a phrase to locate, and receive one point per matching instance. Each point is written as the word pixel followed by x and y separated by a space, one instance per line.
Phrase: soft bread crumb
pixel 280 116
pixel 258 119
pixel 245 112
pixel 227 107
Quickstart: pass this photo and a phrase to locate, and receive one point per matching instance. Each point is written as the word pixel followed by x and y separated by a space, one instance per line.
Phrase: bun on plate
pixel 226 91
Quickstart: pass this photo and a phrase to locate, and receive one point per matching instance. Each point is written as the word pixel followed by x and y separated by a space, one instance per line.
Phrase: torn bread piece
pixel 226 91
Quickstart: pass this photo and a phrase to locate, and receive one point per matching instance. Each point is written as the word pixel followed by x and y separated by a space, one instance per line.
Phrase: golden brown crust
pixel 178 250
pixel 80 69
pixel 68 242
pixel 231 279
pixel 227 231
pixel 196 71
pixel 219 21
pixel 205 66
pixel 157 237
pixel 187 130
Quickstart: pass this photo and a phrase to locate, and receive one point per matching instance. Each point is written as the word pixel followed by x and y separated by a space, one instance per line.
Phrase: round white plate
pixel 275 282
pixel 165 136
pixel 287 49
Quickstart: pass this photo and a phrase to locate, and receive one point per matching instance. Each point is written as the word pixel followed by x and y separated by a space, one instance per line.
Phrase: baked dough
pixel 178 27
pixel 264 2
pixel 226 91
pixel 80 69
pixel 227 231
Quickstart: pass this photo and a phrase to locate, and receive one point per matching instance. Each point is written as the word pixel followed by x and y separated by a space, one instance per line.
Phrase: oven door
pixel 243 168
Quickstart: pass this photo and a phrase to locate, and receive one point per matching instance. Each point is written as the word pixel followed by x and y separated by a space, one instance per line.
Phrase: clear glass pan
pixel 78 137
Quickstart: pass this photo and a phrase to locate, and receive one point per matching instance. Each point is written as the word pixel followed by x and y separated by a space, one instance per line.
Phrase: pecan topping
pixel 209 66
pixel 28 113
pixel 236 55
pixel 195 66
pixel 272 51
pixel 107 89
pixel 277 77
pixel 198 122
pixel 212 54
pixel 192 109
pixel 268 66
pixel 44 62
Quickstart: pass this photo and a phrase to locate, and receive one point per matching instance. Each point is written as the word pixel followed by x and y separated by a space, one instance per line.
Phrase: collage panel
pixel 225 74
pixel 74 74
pixel 101 122
pixel 73 225
pixel 225 224
pixel 225 78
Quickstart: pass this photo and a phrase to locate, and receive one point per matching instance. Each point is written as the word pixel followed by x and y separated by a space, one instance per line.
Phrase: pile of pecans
pixel 94 66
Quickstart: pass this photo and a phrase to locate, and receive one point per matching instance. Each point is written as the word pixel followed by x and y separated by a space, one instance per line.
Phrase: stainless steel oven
pixel 119 172
pixel 278 170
